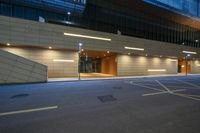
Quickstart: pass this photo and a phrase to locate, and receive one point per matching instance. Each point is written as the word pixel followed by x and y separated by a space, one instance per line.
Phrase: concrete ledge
pixel 115 78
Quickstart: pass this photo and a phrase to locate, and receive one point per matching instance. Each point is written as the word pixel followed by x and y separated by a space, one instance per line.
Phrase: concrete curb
pixel 117 78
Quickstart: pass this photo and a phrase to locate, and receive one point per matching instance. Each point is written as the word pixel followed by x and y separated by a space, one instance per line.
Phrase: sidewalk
pixel 115 77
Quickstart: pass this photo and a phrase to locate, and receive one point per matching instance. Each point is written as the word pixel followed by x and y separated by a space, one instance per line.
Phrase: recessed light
pixel 108 52
pixel 8 44
pixel 50 47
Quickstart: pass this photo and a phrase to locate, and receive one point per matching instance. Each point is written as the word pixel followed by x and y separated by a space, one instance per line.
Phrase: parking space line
pixel 152 88
pixel 167 89
pixel 186 96
pixel 192 95
pixel 164 92
pixel 189 83
pixel 28 110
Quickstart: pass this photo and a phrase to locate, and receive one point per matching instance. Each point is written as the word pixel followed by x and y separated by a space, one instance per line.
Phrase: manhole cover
pixel 106 98
pixel 117 87
pixel 20 96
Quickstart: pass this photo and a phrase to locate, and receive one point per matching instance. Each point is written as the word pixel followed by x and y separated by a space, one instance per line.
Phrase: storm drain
pixel 117 87
pixel 106 98
pixel 20 96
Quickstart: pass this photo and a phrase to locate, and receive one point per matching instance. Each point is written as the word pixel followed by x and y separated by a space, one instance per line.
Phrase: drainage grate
pixel 20 96
pixel 117 87
pixel 106 98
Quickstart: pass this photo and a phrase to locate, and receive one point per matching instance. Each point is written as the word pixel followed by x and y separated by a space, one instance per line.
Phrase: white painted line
pixel 198 96
pixel 164 92
pixel 152 88
pixel 156 93
pixel 186 96
pixel 28 110
pixel 193 85
pixel 167 89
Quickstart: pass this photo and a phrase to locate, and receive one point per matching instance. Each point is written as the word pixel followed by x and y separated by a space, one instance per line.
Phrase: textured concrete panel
pixel 139 65
pixel 16 69
pixel 45 56
pixel 31 33
pixel 195 67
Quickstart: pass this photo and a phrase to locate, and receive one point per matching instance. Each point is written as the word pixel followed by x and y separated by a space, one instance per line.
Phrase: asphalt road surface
pixel 140 105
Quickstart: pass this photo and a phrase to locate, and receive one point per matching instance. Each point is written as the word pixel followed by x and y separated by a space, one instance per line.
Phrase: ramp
pixel 17 69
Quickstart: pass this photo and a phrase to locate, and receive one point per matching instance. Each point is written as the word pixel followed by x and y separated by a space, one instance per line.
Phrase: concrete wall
pixel 139 65
pixel 16 69
pixel 20 33
pixel 195 67
pixel 30 33
pixel 48 57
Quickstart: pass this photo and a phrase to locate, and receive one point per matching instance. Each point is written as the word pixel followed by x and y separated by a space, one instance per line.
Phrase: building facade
pixel 115 38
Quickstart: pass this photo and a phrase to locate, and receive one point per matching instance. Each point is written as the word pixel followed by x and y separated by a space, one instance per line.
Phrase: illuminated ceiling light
pixel 50 47
pixel 132 48
pixel 82 50
pixel 196 40
pixel 129 53
pixel 157 70
pixel 8 44
pixel 198 65
pixel 161 56
pixel 182 66
pixel 108 52
pixel 56 60
pixel 183 43
pixel 85 36
pixel 189 52
pixel 146 55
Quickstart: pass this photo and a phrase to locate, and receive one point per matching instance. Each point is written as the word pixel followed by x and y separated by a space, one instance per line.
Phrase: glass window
pixel 6 9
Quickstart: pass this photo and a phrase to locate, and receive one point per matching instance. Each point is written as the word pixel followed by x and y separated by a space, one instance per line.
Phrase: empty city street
pixel 134 105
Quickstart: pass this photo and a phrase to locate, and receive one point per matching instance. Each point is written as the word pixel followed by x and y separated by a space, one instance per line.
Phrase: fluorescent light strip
pixel 173 60
pixel 85 36
pixel 189 52
pixel 55 60
pixel 156 70
pixel 132 48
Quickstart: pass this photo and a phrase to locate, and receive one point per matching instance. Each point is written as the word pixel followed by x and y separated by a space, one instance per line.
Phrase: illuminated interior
pixel 94 62
pixel 183 66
